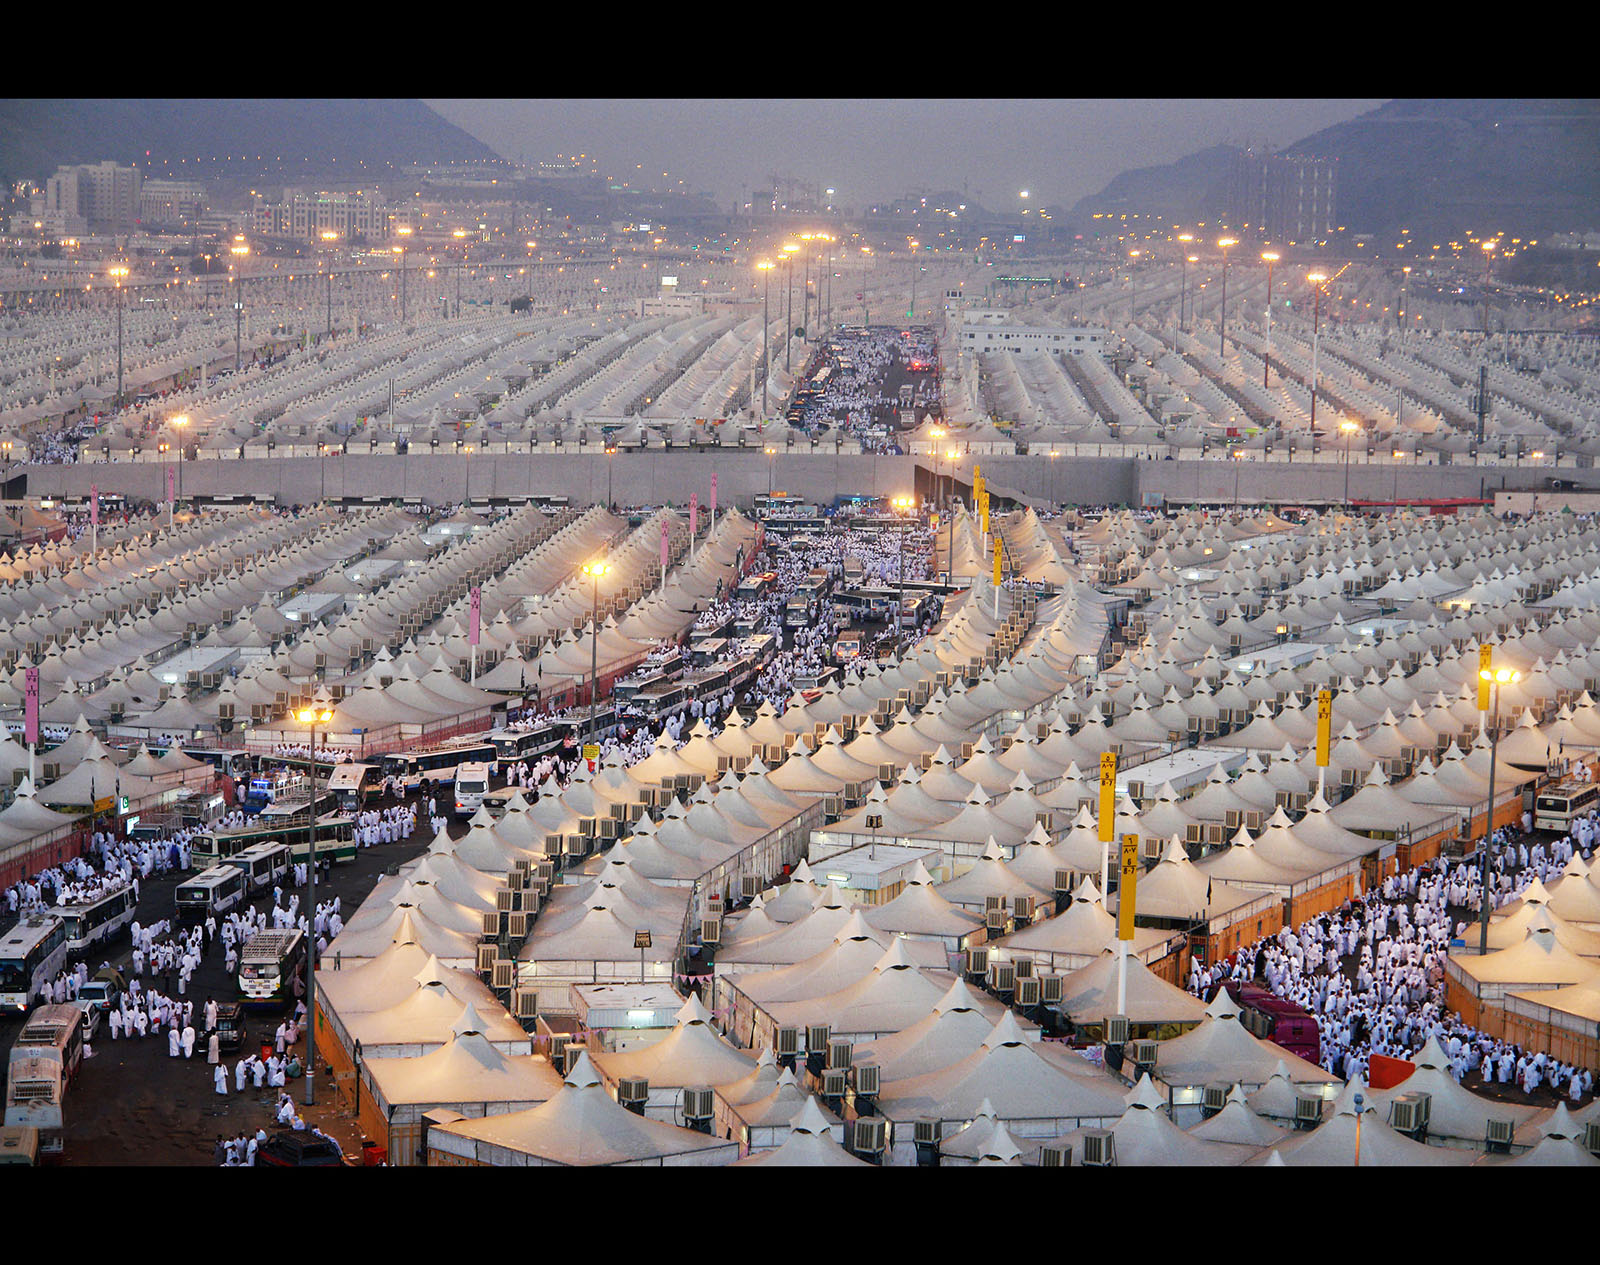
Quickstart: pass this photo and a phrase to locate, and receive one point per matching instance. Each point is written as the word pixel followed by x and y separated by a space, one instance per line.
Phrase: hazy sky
pixel 1059 150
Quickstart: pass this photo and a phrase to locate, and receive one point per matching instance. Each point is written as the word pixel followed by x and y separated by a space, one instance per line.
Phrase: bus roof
pixel 271 944
pixel 28 933
pixel 212 876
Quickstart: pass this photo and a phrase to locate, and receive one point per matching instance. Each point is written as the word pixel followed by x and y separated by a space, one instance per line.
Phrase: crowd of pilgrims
pixel 858 399
pixel 1372 971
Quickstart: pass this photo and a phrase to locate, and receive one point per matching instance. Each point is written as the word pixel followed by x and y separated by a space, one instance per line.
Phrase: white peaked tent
pixel 1146 1137
pixel 1334 1142
pixel 1237 1123
pixel 1221 1049
pixel 1560 1145
pixel 693 1053
pixel 959 1023
pixel 582 1126
pixel 1456 1116
pixel 425 1020
pixel 763 1123
pixel 810 1144
pixel 1089 994
pixel 893 995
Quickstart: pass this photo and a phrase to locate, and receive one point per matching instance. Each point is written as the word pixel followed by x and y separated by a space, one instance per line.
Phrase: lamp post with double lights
pixel 766 329
pixel 329 237
pixel 1224 243
pixel 402 231
pixel 117 273
pixel 1133 283
pixel 1183 274
pixel 771 453
pixel 319 713
pixel 1348 428
pixel 611 451
pixel 178 423
pixel 903 506
pixel 1318 280
pixel 789 251
pixel 1272 257
pixel 594 570
pixel 1492 678
pixel 1488 261
pixel 238 250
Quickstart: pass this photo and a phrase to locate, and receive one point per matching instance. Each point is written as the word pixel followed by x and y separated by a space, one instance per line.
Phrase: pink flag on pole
pixel 713 494
pixel 694 512
pixel 477 615
pixel 663 546
pixel 94 504
pixel 30 714
pixel 170 496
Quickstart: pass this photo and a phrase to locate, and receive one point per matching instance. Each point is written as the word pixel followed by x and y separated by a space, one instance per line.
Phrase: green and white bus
pixel 335 838
pixel 268 966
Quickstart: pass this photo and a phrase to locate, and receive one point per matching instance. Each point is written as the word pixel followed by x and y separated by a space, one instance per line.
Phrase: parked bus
pixel 263 864
pixel 213 891
pixel 43 1062
pixel 436 766
pixel 96 920
pixel 1557 807
pixel 268 967
pixel 212 847
pixel 1276 1019
pixel 511 745
pixel 32 954
pixel 354 786
pixel 472 781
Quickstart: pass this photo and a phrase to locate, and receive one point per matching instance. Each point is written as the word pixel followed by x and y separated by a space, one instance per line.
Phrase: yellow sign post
pixel 1108 813
pixel 1324 726
pixel 1129 882
pixel 1485 655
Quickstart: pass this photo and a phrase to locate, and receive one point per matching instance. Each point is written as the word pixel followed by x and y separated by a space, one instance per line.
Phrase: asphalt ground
pixel 132 1104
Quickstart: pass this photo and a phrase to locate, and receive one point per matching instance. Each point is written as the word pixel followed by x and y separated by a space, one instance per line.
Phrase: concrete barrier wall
pixel 657 477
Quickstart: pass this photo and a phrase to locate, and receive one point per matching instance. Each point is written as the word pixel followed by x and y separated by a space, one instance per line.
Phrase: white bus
pixel 1557 807
pixel 213 891
pixel 42 1064
pixel 472 782
pixel 31 953
pixel 335 837
pixel 268 967
pixel 263 864
pixel 355 786
pixel 96 920
pixel 436 767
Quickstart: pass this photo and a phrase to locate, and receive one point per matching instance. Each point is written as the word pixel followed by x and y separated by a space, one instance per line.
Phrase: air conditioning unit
pixel 868 1078
pixel 1497 1136
pixel 487 953
pixel 1055 1155
pixel 749 886
pixel 926 1132
pixel 1150 847
pixel 1307 1111
pixel 525 1003
pixel 995 920
pixel 1002 977
pixel 633 1092
pixel 867 1137
pixel 1022 907
pixel 1116 1029
pixel 491 926
pixel 1027 994
pixel 1049 990
pixel 977 963
pixel 1099 1148
pixel 1135 790
pixel 1143 1054
pixel 505 975
pixel 577 845
pixel 697 1108
pixel 833 1083
pixel 1024 967
pixel 1216 1098
pixel 518 925
pixel 1063 881
pixel 552 845
pixel 839 1052
pixel 505 900
pixel 833 806
pixel 1591 1137
pixel 711 931
pixel 788 1043
pixel 817 1035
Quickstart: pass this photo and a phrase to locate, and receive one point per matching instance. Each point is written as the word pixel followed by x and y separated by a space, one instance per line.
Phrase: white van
pixel 472 783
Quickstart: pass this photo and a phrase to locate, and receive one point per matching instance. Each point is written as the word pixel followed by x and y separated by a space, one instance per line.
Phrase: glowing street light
pixel 1493 678
pixel 1272 257
pixel 1317 280
pixel 1224 243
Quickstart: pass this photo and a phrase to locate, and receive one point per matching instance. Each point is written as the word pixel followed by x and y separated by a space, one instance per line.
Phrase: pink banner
pixel 663 546
pixel 713 494
pixel 94 504
pixel 30 715
pixel 477 615
pixel 694 512
pixel 170 496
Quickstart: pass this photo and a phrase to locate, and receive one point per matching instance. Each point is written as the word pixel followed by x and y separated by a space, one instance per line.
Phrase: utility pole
pixel 1480 402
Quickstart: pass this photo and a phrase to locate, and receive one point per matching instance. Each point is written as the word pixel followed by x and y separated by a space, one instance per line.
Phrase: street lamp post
pixel 788 294
pixel 1495 678
pixel 1225 242
pixel 1133 284
pixel 1317 280
pixel 594 570
pixel 902 505
pixel 178 423
pixel 318 714
pixel 238 250
pixel 611 452
pixel 766 328
pixel 1400 312
pixel 771 452
pixel 118 273
pixel 1271 256
pixel 1183 273
pixel 1488 261
pixel 1349 428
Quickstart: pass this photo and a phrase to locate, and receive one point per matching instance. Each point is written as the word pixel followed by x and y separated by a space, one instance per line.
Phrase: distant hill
pixel 192 138
pixel 1527 165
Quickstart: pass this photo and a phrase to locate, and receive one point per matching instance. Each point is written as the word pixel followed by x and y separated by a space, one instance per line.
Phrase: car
pixel 291 1148
pixel 231 1031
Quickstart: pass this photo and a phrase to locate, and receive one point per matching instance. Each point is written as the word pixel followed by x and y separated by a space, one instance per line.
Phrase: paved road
pixel 132 1104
